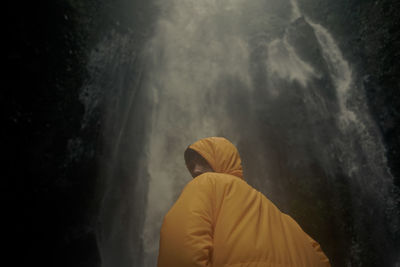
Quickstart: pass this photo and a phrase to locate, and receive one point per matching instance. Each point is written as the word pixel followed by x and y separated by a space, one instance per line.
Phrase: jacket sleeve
pixel 186 237
pixel 317 248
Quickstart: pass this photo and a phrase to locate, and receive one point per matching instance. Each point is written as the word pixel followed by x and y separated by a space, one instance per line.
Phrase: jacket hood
pixel 221 154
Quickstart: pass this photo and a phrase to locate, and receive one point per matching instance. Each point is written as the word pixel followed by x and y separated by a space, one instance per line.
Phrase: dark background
pixel 51 162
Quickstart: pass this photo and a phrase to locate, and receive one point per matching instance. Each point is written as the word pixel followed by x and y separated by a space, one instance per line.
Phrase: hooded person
pixel 220 220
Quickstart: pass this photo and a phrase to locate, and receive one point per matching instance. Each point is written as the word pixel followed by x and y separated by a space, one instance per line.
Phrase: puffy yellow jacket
pixel 220 220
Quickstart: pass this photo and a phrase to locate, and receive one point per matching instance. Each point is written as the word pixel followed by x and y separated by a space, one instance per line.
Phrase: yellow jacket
pixel 220 220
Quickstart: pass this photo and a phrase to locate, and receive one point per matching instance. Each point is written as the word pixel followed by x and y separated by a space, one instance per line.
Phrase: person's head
pixel 195 163
pixel 213 154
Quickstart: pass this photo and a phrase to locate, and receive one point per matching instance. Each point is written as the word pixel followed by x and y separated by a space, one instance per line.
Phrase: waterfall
pixel 339 70
pixel 190 58
pixel 275 83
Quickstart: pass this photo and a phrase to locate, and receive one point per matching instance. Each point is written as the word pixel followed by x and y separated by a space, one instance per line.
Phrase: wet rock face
pixel 49 163
pixel 381 39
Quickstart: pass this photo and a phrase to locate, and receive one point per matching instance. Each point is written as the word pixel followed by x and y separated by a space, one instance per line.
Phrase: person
pixel 220 220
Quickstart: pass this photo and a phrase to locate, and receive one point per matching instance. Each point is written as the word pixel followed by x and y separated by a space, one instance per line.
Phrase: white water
pixel 295 10
pixel 284 63
pixel 340 71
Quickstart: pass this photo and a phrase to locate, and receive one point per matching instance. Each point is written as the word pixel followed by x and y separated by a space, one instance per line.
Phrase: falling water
pixel 191 60
pixel 278 86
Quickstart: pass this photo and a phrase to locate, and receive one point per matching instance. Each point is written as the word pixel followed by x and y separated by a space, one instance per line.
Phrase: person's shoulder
pixel 203 179
pixel 203 182
pixel 218 178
